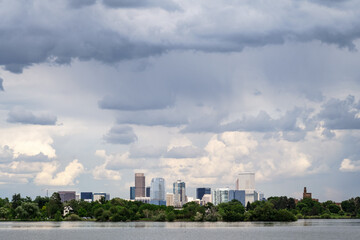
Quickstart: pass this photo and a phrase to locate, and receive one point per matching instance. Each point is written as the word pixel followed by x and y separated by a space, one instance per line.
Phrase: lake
pixel 302 229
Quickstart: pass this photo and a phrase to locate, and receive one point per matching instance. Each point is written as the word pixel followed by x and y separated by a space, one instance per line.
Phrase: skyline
pixel 92 91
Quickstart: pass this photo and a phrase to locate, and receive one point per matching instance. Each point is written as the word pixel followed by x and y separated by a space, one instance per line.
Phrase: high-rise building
pixel 67 195
pixel 220 195
pixel 157 191
pixel 169 199
pixel 86 196
pixel 245 181
pixel 148 193
pixel 139 185
pixel 98 196
pixel 179 191
pixel 237 195
pixel 201 191
pixel 132 193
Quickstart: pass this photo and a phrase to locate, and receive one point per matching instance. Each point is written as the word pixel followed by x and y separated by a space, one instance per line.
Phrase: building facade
pixel 148 191
pixel 157 191
pixel 86 196
pixel 67 195
pixel 98 196
pixel 179 191
pixel 139 185
pixel 201 191
pixel 245 181
pixel 169 199
pixel 220 195
pixel 237 195
pixel 132 193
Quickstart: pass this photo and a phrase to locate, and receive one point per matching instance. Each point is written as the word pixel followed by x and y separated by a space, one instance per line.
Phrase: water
pixel 302 229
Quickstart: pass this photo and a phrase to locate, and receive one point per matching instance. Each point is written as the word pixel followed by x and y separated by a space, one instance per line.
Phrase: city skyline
pixel 93 91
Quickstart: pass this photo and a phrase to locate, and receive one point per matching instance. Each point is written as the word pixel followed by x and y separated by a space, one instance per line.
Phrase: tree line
pixel 115 210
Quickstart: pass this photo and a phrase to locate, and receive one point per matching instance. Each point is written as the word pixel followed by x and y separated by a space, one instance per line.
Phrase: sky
pixel 92 91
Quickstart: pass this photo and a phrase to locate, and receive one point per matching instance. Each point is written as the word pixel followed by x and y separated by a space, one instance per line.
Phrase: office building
pixel 220 195
pixel 139 185
pixel 169 199
pixel 157 191
pixel 98 196
pixel 148 193
pixel 201 191
pixel 206 199
pixel 86 196
pixel 179 191
pixel 237 195
pixel 67 195
pixel 132 193
pixel 142 199
pixel 245 181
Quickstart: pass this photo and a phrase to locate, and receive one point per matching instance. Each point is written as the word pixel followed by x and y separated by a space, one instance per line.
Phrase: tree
pixel 27 210
pixel 16 201
pixel 333 208
pixel 54 205
pixel 248 206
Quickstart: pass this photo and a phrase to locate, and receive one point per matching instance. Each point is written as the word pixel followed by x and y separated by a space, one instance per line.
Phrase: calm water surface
pixel 302 229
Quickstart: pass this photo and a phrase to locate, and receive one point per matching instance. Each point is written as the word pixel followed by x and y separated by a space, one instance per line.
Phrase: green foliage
pixel 58 216
pixel 232 211
pixel 73 217
pixel 170 216
pixel 333 208
pixel 54 205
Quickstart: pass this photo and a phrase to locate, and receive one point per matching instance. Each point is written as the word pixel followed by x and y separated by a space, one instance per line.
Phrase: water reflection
pixel 169 225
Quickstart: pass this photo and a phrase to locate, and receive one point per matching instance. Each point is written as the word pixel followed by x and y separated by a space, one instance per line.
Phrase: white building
pixel 169 199
pixel 179 192
pixel 206 198
pixel 220 195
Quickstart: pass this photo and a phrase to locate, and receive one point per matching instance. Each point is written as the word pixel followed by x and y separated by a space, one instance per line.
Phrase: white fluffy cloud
pixel 348 165
pixel 47 176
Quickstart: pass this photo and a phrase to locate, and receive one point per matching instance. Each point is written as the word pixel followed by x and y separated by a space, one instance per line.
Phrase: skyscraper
pixel 147 191
pixel 179 191
pixel 220 195
pixel 67 195
pixel 201 191
pixel 139 185
pixel 246 182
pixel 157 191
pixel 132 193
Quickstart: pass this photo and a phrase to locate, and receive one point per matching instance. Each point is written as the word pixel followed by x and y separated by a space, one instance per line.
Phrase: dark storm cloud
pixel 167 117
pixel 340 114
pixel 1 84
pixel 120 135
pixel 80 3
pixel 166 4
pixel 27 117
pixel 32 33
pixel 185 152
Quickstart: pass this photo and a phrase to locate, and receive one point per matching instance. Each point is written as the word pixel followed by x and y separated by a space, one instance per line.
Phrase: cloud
pixel 184 152
pixel 102 172
pixel 166 4
pixel 80 3
pixel 1 84
pixel 27 117
pixel 348 165
pixel 6 154
pixel 120 135
pixel 169 117
pixel 109 37
pixel 340 114
pixel 64 178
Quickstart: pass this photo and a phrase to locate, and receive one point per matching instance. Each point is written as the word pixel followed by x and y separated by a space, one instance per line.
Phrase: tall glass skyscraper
pixel 157 191
pixel 132 193
pixel 220 195
pixel 179 191
pixel 201 191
